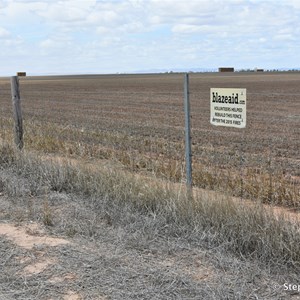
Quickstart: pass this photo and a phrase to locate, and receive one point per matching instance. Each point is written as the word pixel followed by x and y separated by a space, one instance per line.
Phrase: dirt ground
pixel 82 257
pixel 36 264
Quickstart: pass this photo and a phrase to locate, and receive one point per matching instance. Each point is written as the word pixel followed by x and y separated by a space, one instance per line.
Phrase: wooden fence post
pixel 16 101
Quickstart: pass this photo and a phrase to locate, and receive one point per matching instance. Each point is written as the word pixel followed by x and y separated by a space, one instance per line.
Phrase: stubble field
pixel 94 207
pixel 137 121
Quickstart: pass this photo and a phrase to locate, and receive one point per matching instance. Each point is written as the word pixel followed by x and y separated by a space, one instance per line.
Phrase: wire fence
pixel 136 123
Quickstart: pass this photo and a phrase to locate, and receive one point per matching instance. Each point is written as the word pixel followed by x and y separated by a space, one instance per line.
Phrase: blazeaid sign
pixel 228 107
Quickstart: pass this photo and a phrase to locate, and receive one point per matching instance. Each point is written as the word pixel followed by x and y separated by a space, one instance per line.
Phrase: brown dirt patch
pixel 33 237
pixel 38 267
pixel 29 236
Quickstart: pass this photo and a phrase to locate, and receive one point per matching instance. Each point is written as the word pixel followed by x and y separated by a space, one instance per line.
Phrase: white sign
pixel 228 107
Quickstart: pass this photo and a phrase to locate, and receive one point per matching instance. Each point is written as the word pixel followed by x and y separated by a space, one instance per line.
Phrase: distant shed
pixel 225 69
pixel 259 70
pixel 21 73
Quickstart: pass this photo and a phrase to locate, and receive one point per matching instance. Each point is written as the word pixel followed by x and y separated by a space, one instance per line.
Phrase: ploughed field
pixel 137 122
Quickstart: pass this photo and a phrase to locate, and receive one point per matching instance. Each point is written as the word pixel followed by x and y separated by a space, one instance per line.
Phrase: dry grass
pixel 248 231
pixel 143 225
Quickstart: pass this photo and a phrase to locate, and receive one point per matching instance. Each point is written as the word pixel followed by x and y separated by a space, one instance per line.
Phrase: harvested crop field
pixel 95 207
pixel 137 121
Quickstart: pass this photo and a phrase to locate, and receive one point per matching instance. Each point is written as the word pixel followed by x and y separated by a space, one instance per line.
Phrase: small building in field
pixel 226 69
pixel 258 70
pixel 21 73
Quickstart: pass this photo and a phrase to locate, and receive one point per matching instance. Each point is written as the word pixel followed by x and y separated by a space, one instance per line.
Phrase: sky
pixel 45 37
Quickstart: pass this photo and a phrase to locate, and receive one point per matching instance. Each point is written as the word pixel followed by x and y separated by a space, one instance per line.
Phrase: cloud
pixel 136 34
pixel 68 11
pixel 4 33
pixel 103 17
pixel 19 11
pixel 293 3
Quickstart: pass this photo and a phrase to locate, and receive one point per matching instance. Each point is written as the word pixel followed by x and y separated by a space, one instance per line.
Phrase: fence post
pixel 188 150
pixel 16 101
